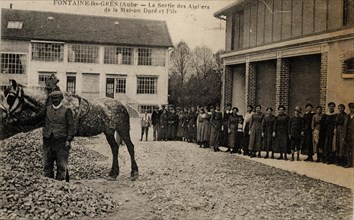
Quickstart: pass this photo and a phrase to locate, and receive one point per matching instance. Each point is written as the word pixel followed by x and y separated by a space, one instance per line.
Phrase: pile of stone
pixel 27 194
pixel 24 154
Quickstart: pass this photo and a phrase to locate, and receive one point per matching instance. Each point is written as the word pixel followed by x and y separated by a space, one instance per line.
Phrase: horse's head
pixel 12 99
pixel 16 105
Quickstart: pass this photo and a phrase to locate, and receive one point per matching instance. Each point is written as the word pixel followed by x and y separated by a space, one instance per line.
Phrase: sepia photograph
pixel 177 109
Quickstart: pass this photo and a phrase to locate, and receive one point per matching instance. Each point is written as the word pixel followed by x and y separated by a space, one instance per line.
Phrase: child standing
pixel 296 125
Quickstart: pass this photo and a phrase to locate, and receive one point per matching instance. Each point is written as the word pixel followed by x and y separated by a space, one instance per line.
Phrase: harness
pixel 77 119
pixel 18 94
pixel 20 99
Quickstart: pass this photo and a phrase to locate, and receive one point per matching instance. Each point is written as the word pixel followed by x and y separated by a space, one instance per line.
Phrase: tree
pixel 203 62
pixel 203 84
pixel 180 60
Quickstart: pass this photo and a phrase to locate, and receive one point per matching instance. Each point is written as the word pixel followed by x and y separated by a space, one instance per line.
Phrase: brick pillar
pixel 282 83
pixel 227 96
pixel 250 84
pixel 323 80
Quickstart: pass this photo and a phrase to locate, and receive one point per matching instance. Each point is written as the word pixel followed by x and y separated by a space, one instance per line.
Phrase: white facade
pixel 91 78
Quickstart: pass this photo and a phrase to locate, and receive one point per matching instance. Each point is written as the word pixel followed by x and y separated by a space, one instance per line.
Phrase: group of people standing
pixel 328 135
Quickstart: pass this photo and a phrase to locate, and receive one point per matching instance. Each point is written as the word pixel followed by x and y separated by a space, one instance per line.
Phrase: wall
pixel 304 86
pixel 15 47
pixel 238 88
pixel 268 21
pixel 265 83
pixel 339 90
pixel 64 67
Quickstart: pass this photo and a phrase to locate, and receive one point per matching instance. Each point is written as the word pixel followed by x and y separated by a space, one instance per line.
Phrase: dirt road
pixel 178 180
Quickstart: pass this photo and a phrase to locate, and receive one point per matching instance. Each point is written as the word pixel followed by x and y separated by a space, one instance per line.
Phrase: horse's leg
pixel 125 136
pixel 115 148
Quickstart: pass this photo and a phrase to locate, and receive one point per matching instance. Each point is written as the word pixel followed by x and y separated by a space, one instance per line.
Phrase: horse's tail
pixel 118 139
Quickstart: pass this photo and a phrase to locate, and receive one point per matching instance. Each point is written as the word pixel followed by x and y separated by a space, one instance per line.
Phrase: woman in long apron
pixel 256 132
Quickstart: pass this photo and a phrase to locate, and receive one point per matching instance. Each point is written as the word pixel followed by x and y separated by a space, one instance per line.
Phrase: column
pixel 250 84
pixel 282 83
pixel 323 80
pixel 227 86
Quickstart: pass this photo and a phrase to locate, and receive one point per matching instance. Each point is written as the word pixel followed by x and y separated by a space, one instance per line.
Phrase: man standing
pixel 155 121
pixel 58 132
pixel 145 124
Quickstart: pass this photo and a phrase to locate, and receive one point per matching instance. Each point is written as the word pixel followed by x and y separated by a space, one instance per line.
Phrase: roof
pixel 236 4
pixel 52 26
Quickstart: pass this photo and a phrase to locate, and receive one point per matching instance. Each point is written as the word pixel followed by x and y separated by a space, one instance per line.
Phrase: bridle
pixel 19 99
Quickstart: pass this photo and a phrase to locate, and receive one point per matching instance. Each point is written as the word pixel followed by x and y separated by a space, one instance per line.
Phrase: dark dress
pixel 340 133
pixel 186 127
pixel 172 126
pixel 307 145
pixel 162 135
pixel 328 123
pixel 232 126
pixel 192 126
pixel 281 134
pixel 181 123
pixel 256 132
pixel 296 126
pixel 215 129
pixel 225 134
pixel 268 127
pixel 350 139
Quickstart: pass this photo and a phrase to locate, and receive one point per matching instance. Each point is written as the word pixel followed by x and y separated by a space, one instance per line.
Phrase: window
pixel 47 51
pixel 12 63
pixel 151 57
pixel 147 85
pixel 80 53
pixel 144 56
pixel 71 84
pixel 349 66
pixel 345 12
pixel 14 25
pixel 120 84
pixel 158 57
pixel 237 31
pixel 148 108
pixel 115 84
pixel 3 87
pixel 118 55
pixel 43 77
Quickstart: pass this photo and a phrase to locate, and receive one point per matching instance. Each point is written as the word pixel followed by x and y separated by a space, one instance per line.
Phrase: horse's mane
pixel 36 95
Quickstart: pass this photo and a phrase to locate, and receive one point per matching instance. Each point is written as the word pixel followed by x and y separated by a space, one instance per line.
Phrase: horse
pixel 91 118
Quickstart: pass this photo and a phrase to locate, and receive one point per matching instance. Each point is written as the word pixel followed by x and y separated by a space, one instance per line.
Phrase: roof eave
pixel 85 42
pixel 225 10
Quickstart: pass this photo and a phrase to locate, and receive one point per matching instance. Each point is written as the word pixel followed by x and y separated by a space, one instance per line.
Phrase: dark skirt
pixel 214 136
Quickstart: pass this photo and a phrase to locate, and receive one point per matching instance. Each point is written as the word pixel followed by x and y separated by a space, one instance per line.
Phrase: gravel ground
pixel 178 180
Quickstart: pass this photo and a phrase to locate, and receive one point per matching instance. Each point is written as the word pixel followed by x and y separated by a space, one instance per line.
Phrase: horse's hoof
pixel 111 178
pixel 134 176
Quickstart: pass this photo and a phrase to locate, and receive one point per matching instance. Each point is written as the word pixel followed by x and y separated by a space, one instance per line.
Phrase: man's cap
pixel 55 94
pixel 351 105
pixel 298 109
